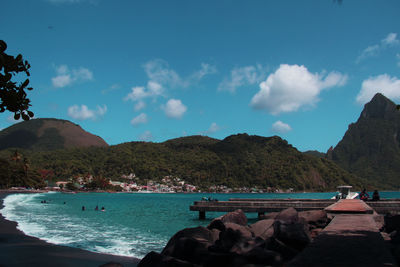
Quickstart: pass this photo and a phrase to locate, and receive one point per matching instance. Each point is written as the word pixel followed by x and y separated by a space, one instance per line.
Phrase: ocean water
pixel 131 225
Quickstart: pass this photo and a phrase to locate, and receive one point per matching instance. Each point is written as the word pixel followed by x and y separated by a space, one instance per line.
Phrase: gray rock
pixel 190 244
pixel 289 215
pixel 263 228
pixel 270 215
pixel 317 218
pixel 244 230
pixel 295 235
pixel 236 216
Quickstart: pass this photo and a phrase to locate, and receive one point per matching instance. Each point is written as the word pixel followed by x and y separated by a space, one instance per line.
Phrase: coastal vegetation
pixel 237 161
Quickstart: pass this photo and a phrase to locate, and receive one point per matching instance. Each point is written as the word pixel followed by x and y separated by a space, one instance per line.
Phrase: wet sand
pixel 18 249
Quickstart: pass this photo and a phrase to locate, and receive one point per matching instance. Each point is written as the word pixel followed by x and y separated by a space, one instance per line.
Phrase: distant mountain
pixel 370 147
pixel 236 161
pixel 47 134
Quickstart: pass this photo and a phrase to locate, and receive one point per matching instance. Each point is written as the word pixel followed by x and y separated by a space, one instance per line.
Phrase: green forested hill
pixel 238 160
pixel 47 134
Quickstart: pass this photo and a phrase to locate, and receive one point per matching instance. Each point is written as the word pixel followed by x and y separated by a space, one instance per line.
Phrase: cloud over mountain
pixel 291 87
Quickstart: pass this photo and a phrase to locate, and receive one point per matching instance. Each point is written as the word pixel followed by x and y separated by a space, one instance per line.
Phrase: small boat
pixel 345 193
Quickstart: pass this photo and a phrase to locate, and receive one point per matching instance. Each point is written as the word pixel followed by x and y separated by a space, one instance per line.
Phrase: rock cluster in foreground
pixel 392 229
pixel 230 241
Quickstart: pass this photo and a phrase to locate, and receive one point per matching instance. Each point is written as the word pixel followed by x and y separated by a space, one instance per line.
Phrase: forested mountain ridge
pixel 236 161
pixel 370 147
pixel 47 134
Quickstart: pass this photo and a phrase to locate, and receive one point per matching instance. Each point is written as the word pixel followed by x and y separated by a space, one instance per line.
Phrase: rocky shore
pixel 230 241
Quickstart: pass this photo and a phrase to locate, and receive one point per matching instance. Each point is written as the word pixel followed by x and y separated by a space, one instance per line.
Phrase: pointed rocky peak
pixel 380 107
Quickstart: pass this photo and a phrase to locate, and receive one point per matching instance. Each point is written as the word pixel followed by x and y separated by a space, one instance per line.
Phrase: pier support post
pixel 202 215
pixel 260 214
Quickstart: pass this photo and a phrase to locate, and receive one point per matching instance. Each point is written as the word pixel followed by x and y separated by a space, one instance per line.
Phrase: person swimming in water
pixel 103 209
pixel 97 207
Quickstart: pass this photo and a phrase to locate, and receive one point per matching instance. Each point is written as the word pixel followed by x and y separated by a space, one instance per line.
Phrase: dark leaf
pixel 25 117
pixel 25 83
pixel 30 113
pixel 16 116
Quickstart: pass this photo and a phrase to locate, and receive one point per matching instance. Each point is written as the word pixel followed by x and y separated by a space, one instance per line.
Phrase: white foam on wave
pixel 38 220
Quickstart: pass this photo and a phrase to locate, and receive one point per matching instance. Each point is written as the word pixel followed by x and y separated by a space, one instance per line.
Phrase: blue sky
pixel 156 70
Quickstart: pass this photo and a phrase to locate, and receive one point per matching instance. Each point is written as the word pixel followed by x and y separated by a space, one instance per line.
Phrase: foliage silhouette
pixel 12 96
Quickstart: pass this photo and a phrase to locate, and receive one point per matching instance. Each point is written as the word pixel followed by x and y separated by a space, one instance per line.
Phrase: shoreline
pixel 18 249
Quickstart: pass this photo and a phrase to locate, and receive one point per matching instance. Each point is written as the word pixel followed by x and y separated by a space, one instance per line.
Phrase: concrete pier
pixel 349 240
pixel 262 206
pixel 259 206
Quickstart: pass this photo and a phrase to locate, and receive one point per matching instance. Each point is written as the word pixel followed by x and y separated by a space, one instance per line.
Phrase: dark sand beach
pixel 18 249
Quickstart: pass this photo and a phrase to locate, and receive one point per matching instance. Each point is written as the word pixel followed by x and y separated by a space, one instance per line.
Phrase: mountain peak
pixel 371 147
pixel 380 107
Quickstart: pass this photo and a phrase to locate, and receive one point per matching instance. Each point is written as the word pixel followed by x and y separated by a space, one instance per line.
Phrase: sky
pixel 157 70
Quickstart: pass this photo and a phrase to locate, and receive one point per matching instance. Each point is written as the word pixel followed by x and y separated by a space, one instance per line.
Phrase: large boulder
pixel 190 244
pixel 227 239
pixel 244 230
pixel 263 228
pixel 270 215
pixel 289 215
pixel 216 224
pixel 245 246
pixel 236 216
pixel 295 235
pixel 154 259
pixel 316 218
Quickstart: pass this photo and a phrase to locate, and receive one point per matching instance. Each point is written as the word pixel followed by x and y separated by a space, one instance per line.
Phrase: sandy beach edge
pixel 18 249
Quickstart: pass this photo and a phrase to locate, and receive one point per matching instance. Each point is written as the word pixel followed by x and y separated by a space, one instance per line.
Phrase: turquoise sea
pixel 131 225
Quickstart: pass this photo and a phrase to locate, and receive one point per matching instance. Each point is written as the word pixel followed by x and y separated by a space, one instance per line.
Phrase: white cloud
pixel 140 105
pixel 139 119
pixel 82 74
pixel 136 93
pixel 65 77
pixel 139 92
pixel 388 86
pixel 374 50
pixel 281 127
pixel 391 39
pixel 154 88
pixel 243 76
pixel 206 69
pixel 158 71
pixel 214 127
pixel 398 59
pixel 61 80
pixel 146 136
pixel 174 109
pixel 291 87
pixel 83 112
